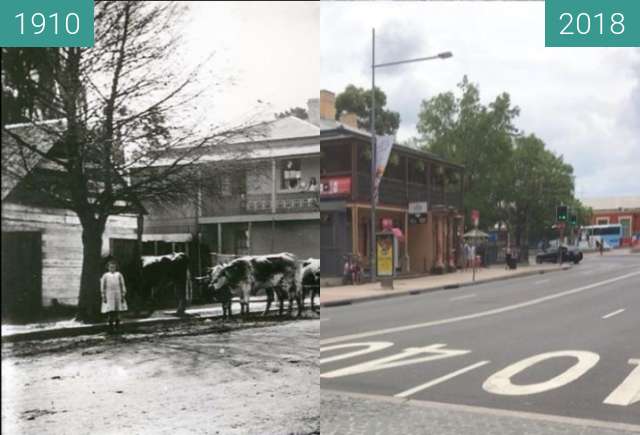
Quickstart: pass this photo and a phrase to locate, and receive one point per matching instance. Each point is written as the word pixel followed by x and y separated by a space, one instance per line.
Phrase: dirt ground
pixel 254 377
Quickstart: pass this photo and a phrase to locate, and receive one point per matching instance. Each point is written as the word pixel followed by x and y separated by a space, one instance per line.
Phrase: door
pixel 21 275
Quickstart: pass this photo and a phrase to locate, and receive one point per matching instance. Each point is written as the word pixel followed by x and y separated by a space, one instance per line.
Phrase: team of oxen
pixel 278 275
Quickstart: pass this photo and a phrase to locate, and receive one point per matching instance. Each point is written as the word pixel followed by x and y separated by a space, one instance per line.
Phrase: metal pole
pixel 372 261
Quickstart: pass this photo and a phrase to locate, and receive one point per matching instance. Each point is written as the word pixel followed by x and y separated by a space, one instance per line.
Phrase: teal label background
pixel 553 25
pixel 10 25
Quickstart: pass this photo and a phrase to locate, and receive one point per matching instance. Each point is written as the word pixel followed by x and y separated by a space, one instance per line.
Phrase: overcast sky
pixel 267 51
pixel 583 102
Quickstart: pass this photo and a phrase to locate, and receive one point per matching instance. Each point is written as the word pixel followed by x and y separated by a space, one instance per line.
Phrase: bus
pixel 611 234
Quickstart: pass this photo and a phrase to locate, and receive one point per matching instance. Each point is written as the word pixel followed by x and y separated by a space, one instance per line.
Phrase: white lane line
pixel 542 281
pixel 324 320
pixel 606 316
pixel 628 392
pixel 494 311
pixel 459 298
pixel 441 379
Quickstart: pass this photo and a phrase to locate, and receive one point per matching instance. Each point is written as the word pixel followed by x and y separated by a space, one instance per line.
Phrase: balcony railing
pixel 396 192
pixel 294 202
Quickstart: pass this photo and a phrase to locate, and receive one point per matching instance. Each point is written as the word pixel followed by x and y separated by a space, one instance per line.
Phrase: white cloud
pixel 584 102
pixel 265 51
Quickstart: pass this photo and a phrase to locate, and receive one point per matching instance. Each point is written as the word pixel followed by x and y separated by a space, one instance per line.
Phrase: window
pixel 602 221
pixel 290 174
pixel 607 231
pixel 241 240
pixel 417 171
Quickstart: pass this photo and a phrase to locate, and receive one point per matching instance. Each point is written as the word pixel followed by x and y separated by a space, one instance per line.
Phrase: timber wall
pixel 61 245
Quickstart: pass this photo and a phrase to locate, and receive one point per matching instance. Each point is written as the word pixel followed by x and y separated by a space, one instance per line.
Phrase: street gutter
pixel 413 292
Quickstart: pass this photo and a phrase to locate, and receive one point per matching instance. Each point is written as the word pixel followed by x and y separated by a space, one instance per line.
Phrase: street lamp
pixel 443 55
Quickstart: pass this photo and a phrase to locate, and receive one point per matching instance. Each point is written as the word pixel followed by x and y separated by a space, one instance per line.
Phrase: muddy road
pixel 200 377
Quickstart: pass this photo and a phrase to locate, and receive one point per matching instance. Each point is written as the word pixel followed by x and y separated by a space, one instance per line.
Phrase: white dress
pixel 113 291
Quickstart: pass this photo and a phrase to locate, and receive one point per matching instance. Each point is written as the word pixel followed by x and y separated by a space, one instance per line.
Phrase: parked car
pixel 569 254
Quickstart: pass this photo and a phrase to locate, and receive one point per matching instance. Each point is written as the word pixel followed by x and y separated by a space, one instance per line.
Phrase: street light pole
pixel 372 256
pixel 374 152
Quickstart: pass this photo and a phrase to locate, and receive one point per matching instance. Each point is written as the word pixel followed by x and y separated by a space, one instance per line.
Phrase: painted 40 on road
pixel 500 382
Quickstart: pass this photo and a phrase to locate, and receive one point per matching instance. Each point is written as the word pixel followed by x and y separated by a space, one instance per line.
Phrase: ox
pixel 244 276
pixel 159 272
pixel 311 279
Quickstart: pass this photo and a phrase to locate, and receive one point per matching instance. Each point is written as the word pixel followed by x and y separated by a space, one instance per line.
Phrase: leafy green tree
pixel 541 180
pixel 462 129
pixel 511 178
pixel 358 100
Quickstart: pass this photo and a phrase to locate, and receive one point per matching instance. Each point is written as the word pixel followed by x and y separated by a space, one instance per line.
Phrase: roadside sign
pixel 384 257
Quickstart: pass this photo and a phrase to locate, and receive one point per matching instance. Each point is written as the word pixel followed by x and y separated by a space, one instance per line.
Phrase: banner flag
pixel 384 144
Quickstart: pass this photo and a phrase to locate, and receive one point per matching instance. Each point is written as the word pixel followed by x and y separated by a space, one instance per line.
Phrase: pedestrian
pixel 113 292
pixel 466 252
pixel 601 246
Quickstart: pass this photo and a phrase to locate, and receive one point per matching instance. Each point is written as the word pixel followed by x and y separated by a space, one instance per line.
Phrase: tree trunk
pixel 90 298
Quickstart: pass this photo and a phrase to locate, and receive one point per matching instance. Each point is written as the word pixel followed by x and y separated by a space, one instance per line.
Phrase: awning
pixel 175 237
pixel 476 234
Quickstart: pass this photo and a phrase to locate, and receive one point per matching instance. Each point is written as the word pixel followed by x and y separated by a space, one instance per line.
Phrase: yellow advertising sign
pixel 384 247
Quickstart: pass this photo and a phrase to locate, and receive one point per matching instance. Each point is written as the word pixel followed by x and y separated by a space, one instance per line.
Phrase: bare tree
pixel 127 133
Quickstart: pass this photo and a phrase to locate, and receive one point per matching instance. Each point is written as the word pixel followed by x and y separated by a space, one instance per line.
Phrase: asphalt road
pixel 563 346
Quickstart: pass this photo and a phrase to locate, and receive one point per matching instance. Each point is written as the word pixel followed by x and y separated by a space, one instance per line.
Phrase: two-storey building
pixel 268 203
pixel 432 243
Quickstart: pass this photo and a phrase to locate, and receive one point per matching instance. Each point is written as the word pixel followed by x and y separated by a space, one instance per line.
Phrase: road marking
pixel 373 346
pixel 542 281
pixel 435 352
pixel 324 320
pixel 459 298
pixel 494 311
pixel 442 379
pixel 613 314
pixel 500 382
pixel 628 392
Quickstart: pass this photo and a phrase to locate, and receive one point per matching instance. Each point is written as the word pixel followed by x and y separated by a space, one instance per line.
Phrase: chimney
pixel 327 105
pixel 350 119
pixel 313 109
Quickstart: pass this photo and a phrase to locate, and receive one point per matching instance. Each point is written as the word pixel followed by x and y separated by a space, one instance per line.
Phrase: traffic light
pixel 561 213
pixel 573 220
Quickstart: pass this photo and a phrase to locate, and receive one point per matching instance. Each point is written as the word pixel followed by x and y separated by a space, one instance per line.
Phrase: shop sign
pixel 418 212
pixel 335 186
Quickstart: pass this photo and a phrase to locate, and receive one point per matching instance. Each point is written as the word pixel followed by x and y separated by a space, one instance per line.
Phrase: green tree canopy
pixel 358 100
pixel 510 177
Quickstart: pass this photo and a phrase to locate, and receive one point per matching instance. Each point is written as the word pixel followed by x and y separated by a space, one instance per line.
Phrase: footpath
pixel 72 328
pixel 350 294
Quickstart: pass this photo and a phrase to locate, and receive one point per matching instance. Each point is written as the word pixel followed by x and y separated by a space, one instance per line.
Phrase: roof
pixel 290 127
pixel 612 202
pixel 273 139
pixel 329 127
pixel 17 161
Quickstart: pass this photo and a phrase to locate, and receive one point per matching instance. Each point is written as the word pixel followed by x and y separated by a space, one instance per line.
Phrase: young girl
pixel 113 295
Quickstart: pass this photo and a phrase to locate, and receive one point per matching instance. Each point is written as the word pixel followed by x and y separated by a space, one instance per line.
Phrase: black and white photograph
pixel 160 224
